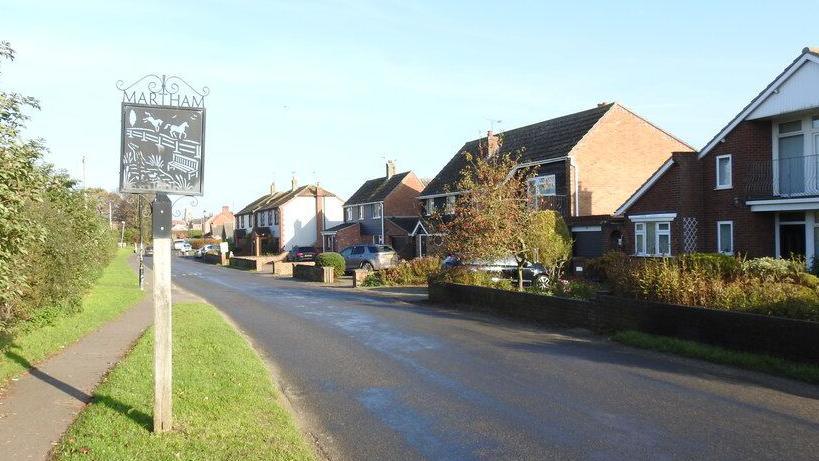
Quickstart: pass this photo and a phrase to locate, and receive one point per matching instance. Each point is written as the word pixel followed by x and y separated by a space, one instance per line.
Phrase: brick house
pixel 220 225
pixel 753 189
pixel 382 210
pixel 585 164
pixel 280 220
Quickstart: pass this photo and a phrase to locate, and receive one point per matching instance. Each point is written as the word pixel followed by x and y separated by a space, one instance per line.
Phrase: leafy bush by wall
pixel 331 259
pixel 413 272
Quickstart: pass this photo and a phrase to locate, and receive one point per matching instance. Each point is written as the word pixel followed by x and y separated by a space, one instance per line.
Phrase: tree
pixel 493 218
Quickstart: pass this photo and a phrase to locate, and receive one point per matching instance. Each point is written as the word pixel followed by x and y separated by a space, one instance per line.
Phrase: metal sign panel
pixel 162 149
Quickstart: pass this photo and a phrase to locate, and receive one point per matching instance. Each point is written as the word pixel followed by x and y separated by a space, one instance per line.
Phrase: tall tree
pixel 493 216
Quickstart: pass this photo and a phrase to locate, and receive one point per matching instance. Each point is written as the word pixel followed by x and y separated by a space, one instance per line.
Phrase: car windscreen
pixel 306 249
pixel 380 249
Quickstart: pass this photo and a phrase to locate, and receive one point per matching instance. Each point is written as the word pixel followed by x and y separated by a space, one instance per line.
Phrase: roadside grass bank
pixel 225 403
pixel 116 290
pixel 756 362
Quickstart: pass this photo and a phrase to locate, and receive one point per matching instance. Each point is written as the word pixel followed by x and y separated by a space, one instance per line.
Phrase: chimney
pixel 390 169
pixel 601 104
pixel 225 209
pixel 492 143
pixel 272 188
pixel 294 183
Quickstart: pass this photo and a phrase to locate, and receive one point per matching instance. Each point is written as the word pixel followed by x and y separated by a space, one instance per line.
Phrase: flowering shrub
pixel 413 272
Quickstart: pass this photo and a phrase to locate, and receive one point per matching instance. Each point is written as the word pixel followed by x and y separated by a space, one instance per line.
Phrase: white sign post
pixel 163 333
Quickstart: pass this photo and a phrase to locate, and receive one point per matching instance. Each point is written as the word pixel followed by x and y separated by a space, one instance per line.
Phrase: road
pixel 374 378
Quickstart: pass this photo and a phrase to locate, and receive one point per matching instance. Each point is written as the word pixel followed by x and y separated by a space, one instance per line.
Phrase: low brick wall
pixel 792 339
pixel 220 259
pixel 286 268
pixel 314 273
pixel 253 263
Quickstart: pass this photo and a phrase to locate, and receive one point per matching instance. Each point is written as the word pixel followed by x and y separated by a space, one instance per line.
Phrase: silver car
pixel 370 257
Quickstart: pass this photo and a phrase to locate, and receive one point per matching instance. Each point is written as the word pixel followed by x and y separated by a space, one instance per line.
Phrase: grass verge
pixel 756 362
pixel 225 405
pixel 116 290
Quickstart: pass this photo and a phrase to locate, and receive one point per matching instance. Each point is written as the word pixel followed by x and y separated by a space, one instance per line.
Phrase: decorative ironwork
pixel 194 202
pixel 689 234
pixel 163 90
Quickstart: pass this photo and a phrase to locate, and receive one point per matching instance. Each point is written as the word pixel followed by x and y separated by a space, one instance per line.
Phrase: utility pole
pixel 163 358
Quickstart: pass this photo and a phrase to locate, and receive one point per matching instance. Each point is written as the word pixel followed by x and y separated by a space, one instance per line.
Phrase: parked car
pixel 181 246
pixel 370 257
pixel 506 268
pixel 205 249
pixel 299 254
pixel 149 251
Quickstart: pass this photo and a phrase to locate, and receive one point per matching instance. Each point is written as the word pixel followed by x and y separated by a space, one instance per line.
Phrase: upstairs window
pixel 430 206
pixel 376 210
pixel 361 212
pixel 724 171
pixel 542 186
pixel 450 204
pixel 349 213
pixel 276 216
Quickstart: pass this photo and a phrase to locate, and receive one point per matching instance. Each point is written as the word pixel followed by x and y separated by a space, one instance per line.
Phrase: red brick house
pixel 382 210
pixel 586 165
pixel 753 189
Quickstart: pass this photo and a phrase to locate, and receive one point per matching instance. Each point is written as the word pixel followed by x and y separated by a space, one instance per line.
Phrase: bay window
pixel 652 238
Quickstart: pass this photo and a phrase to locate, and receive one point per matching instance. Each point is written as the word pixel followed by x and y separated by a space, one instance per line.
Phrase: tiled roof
pixel 268 201
pixel 338 227
pixel 376 190
pixel 541 141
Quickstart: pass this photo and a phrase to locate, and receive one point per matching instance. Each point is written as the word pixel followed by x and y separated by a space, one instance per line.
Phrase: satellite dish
pixel 132 117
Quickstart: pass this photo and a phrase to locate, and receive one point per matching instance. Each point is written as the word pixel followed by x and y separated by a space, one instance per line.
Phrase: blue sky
pixel 328 90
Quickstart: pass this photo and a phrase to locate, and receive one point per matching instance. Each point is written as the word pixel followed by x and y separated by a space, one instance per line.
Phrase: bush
pixel 332 259
pixel 199 243
pixel 773 269
pixel 715 264
pixel 577 289
pixel 465 276
pixel 413 272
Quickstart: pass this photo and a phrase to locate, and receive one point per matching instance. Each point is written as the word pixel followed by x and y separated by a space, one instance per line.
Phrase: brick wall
pixel 792 339
pixel 403 200
pixel 348 236
pixel 616 156
pixel 688 188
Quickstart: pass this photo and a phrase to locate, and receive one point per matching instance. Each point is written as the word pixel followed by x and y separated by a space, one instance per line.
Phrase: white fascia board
pixel 798 204
pixel 645 187
pixel 360 204
pixel 587 228
pixel 652 217
pixel 441 195
pixel 772 87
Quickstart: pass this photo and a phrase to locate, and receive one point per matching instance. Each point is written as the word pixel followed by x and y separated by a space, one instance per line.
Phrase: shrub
pixel 577 289
pixel 465 276
pixel 199 243
pixel 773 269
pixel 332 259
pixel 413 272
pixel 714 264
pixel 808 280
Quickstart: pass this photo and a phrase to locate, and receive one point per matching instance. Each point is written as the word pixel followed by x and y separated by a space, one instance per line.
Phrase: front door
pixel 792 240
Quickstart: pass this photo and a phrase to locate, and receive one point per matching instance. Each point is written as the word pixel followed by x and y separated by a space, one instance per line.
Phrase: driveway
pixel 371 377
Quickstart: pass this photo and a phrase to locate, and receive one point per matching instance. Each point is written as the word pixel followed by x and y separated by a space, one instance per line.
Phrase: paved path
pixel 374 378
pixel 37 409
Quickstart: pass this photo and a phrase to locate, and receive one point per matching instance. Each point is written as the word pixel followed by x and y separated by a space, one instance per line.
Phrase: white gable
pixel 799 92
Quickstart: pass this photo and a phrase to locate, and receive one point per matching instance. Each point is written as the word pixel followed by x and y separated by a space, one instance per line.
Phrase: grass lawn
pixel 225 404
pixel 757 362
pixel 116 290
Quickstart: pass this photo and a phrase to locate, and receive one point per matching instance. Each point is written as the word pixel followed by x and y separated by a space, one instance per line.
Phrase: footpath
pixel 37 409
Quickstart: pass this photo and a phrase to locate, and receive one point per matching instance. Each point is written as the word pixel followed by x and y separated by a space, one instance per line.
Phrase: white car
pixel 205 249
pixel 181 245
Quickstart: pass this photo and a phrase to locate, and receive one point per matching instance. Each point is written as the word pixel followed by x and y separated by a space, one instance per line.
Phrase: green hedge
pixel 332 259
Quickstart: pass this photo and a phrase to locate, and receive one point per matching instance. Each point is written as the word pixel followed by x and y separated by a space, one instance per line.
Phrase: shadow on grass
pixel 143 419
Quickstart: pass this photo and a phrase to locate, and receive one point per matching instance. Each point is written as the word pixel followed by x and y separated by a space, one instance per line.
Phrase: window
pixel 430 207
pixel 542 186
pixel 376 210
pixel 450 204
pixel 652 238
pixel 349 213
pixel 357 250
pixel 276 216
pixel 361 212
pixel 724 171
pixel 725 237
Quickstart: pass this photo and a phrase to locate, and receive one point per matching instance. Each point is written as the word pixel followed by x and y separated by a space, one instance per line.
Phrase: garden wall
pixel 254 263
pixel 313 273
pixel 792 339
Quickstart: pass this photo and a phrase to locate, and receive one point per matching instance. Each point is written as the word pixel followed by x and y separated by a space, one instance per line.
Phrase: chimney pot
pixel 272 188
pixel 225 209
pixel 390 169
pixel 294 183
pixel 601 104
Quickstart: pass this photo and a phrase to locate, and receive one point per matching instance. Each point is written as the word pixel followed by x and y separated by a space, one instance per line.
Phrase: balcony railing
pixel 784 177
pixel 559 203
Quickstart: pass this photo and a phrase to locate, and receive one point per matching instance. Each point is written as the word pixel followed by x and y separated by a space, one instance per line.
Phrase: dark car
pixel 302 254
pixel 533 273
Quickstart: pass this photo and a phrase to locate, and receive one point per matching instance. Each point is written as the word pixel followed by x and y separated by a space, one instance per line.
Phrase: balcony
pixel 784 177
pixel 559 203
